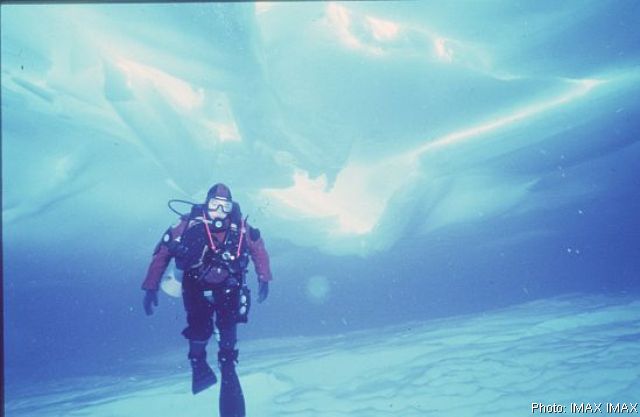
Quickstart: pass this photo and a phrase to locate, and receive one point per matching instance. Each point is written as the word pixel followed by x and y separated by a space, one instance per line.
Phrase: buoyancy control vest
pixel 197 247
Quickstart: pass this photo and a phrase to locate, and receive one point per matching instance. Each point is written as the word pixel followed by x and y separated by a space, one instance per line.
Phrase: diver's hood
pixel 220 191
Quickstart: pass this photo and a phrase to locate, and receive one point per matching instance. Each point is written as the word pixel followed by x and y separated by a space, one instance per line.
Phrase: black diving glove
pixel 150 298
pixel 263 290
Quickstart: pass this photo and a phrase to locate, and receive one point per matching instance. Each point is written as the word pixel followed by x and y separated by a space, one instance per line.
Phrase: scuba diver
pixel 212 246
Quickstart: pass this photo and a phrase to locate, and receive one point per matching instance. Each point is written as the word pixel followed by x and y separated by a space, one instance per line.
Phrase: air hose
pixel 170 202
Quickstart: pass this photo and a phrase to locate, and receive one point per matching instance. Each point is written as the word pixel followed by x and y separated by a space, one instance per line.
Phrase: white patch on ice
pixel 443 51
pixel 383 29
pixel 179 92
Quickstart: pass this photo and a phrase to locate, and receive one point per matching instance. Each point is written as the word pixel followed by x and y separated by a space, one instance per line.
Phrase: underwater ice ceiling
pixel 326 118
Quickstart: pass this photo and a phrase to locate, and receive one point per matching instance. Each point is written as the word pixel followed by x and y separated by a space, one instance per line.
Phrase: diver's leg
pixel 231 396
pixel 198 332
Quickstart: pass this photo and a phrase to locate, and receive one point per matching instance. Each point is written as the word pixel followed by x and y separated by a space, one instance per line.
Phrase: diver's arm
pixel 259 255
pixel 158 265
pixel 161 257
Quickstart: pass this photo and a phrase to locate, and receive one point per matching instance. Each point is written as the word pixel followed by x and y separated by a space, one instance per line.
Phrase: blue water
pixel 406 162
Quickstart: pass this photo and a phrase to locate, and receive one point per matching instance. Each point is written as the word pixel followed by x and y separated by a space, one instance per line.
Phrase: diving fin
pixel 231 402
pixel 202 376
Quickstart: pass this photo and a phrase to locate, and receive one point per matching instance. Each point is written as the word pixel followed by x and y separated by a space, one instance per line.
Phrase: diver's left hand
pixel 263 290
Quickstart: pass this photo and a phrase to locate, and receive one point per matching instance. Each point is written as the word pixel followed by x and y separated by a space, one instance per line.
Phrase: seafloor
pixel 570 349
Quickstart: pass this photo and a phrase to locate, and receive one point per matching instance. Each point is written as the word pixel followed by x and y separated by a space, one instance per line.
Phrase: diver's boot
pixel 202 376
pixel 231 397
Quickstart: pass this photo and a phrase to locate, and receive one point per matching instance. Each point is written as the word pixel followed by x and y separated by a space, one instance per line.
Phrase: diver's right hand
pixel 150 298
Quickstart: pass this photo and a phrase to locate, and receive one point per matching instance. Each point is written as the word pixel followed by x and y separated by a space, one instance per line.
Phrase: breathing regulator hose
pixel 171 202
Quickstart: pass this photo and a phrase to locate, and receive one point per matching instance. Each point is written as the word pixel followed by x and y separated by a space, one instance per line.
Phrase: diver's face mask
pixel 219 208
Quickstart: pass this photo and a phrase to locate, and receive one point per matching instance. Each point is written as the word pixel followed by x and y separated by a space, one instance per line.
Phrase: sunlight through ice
pixel 584 87
pixel 361 191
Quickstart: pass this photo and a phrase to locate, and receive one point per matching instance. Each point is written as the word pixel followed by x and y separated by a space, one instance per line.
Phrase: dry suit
pixel 213 255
